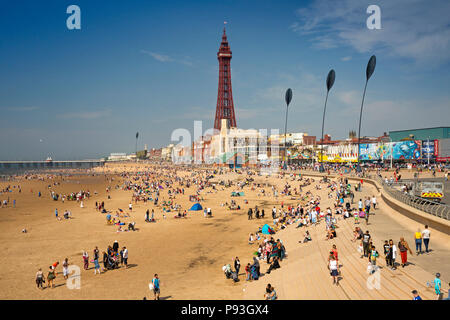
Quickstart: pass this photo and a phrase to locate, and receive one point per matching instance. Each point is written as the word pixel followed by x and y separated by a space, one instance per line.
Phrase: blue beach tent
pixel 196 207
pixel 267 230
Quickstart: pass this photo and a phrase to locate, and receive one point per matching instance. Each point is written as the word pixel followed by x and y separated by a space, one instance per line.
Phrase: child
pixel 373 256
pixel 355 214
pixel 361 248
pixel 416 295
pixel 437 285
pixel 250 239
pixel 247 271
pixel 335 253
pixel 96 266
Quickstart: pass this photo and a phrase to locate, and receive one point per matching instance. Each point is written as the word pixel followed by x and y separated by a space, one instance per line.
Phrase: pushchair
pixel 112 263
pixel 234 276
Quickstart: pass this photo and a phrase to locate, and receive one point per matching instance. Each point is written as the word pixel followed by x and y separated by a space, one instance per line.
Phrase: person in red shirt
pixel 334 251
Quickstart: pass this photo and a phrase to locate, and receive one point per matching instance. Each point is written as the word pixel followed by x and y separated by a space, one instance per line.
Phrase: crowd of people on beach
pixel 112 259
pixel 163 187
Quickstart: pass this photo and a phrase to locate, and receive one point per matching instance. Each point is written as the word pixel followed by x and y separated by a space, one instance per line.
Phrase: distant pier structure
pixel 10 166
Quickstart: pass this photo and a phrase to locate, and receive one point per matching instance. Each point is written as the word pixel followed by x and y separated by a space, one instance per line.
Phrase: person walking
pixel 437 286
pixel 96 266
pixel 250 213
pixel 373 256
pixel 404 248
pixel 40 279
pixel 335 253
pixel 105 260
pixel 418 241
pixel 393 254
pixel 125 257
pixel 237 265
pixel 247 272
pixel 334 269
pixel 367 205
pixel 426 238
pixel 366 215
pixel 366 242
pixel 65 266
pixel 387 252
pixel 116 247
pixel 86 260
pixel 155 286
pixel 51 277
pixel 121 257
pixel 374 202
pixel 96 256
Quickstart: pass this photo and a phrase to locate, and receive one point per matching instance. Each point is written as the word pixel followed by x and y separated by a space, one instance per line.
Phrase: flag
pixel 137 135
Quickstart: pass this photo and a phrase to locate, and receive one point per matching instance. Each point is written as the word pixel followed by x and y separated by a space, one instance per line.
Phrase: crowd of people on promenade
pixel 310 214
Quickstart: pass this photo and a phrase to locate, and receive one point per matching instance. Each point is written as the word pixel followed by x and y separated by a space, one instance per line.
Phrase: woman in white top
pixel 426 238
pixel 334 269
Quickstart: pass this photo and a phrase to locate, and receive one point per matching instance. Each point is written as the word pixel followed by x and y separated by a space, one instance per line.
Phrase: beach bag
pixel 151 286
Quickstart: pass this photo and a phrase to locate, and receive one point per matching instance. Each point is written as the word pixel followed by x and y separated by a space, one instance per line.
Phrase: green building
pixel 421 134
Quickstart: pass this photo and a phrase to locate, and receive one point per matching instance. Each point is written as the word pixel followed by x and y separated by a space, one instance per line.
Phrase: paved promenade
pixel 304 274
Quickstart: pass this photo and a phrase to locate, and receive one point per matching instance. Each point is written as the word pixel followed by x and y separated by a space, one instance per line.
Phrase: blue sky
pixel 151 66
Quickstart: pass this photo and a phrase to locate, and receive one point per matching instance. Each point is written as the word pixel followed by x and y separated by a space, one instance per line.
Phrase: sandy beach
pixel 187 253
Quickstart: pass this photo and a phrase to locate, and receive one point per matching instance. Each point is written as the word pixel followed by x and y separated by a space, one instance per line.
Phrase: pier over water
pixel 12 166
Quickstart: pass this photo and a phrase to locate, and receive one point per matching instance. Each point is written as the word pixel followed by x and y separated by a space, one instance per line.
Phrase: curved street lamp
pixel 135 148
pixel 369 71
pixel 288 99
pixel 330 81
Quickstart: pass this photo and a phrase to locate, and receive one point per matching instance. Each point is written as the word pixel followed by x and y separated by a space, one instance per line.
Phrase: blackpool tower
pixel 225 106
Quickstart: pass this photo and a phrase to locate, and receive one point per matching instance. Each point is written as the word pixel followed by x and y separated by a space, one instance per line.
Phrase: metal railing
pixel 437 209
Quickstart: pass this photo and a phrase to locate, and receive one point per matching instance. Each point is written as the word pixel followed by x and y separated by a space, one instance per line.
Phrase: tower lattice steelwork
pixel 225 105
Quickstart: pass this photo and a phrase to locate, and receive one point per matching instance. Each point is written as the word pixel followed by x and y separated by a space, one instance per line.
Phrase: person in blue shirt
pixel 155 282
pixel 437 285
pixel 416 295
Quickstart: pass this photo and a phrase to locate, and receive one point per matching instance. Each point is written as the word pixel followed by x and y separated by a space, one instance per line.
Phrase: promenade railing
pixel 432 207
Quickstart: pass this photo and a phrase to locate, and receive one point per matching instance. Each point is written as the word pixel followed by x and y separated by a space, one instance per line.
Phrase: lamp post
pixel 330 81
pixel 135 148
pixel 392 151
pixel 369 71
pixel 288 98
